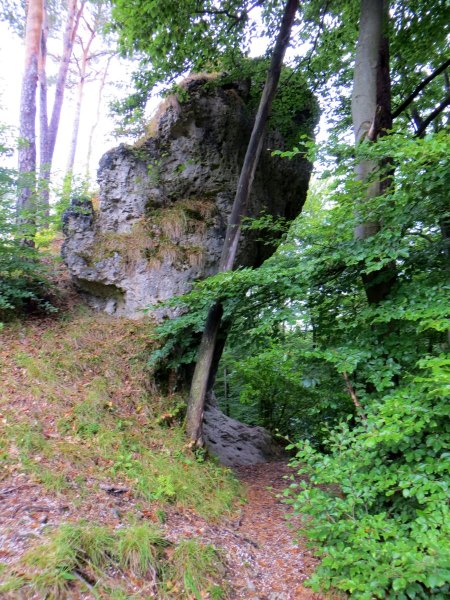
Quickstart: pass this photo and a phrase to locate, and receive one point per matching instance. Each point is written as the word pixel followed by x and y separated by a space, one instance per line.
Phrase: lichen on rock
pixel 164 202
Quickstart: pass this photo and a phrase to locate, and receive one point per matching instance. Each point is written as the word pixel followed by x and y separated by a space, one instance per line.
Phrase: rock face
pixel 235 443
pixel 164 202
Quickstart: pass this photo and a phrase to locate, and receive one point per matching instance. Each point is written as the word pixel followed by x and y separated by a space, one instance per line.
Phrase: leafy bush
pixel 375 499
pixel 376 502
pixel 272 383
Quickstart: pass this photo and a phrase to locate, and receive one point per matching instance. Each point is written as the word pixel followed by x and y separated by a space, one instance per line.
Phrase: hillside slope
pixel 99 495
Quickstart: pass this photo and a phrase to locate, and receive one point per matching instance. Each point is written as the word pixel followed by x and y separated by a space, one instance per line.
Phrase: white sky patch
pixel 12 61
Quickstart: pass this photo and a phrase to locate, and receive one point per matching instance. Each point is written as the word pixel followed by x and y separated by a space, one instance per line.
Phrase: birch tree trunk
pixel 83 67
pixel 75 127
pixel 27 149
pixel 201 378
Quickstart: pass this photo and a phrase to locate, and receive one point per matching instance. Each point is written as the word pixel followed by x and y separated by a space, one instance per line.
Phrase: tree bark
pixel 43 118
pixel 85 57
pixel 50 130
pixel 97 117
pixel 364 96
pixel 372 118
pixel 27 149
pixel 201 377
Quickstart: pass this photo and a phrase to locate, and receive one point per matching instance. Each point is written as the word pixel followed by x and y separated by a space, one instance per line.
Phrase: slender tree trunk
pixel 201 377
pixel 75 126
pixel 76 121
pixel 372 118
pixel 73 20
pixel 68 176
pixel 51 130
pixel 44 174
pixel 97 117
pixel 27 149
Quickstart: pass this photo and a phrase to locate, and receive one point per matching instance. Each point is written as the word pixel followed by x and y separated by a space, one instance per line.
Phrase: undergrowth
pixel 96 415
pixel 91 555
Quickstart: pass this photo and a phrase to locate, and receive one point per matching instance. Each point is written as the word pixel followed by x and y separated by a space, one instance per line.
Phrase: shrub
pixel 24 285
pixel 376 503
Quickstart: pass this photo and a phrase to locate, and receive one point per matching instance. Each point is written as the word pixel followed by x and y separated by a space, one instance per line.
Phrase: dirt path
pixel 263 561
pixel 279 565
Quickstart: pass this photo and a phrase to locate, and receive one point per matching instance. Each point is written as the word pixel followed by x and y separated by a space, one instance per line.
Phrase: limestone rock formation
pixel 164 202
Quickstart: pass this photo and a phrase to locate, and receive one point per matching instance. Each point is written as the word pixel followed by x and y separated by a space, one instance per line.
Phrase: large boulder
pixel 164 202
pixel 235 443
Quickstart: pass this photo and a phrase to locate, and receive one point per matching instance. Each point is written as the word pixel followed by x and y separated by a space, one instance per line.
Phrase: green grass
pixel 200 568
pixel 89 556
pixel 140 549
pixel 79 409
pixel 94 412
pixel 51 481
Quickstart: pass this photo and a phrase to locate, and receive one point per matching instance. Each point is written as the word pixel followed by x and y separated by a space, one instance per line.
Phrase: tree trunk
pixel 76 121
pixel 51 129
pixel 43 118
pixel 97 117
pixel 75 127
pixel 364 97
pixel 372 118
pixel 201 376
pixel 27 149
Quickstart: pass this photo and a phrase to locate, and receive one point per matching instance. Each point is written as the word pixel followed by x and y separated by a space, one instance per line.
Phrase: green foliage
pixel 375 497
pixel 295 110
pixel 24 284
pixel 418 38
pixel 172 38
pixel 304 344
pixel 273 382
pixel 377 501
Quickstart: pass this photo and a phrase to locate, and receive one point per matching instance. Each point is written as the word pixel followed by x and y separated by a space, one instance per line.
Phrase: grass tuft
pixel 140 549
pixel 200 568
pixel 83 555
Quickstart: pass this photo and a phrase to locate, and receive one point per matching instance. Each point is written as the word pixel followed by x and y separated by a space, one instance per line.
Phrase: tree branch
pixel 436 112
pixel 226 13
pixel 419 88
pixel 353 395
pixel 305 62
pixel 318 34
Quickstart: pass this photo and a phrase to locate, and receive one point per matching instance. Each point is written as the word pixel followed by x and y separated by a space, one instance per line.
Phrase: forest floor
pixel 99 498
